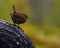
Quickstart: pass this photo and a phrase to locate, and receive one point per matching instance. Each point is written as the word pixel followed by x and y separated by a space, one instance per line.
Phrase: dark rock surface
pixel 13 37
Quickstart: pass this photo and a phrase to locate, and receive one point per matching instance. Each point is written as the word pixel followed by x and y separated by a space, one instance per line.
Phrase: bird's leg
pixel 18 26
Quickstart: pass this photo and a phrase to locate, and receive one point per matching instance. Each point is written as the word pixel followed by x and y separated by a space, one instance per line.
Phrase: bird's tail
pixel 14 10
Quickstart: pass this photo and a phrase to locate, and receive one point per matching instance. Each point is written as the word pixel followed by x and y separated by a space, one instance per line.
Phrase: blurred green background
pixel 43 25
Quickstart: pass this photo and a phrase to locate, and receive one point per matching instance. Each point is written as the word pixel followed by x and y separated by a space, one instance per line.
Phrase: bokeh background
pixel 43 25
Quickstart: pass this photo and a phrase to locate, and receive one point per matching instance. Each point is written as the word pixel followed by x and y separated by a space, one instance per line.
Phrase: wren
pixel 18 18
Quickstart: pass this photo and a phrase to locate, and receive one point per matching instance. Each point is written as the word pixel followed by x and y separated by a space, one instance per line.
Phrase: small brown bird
pixel 18 18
